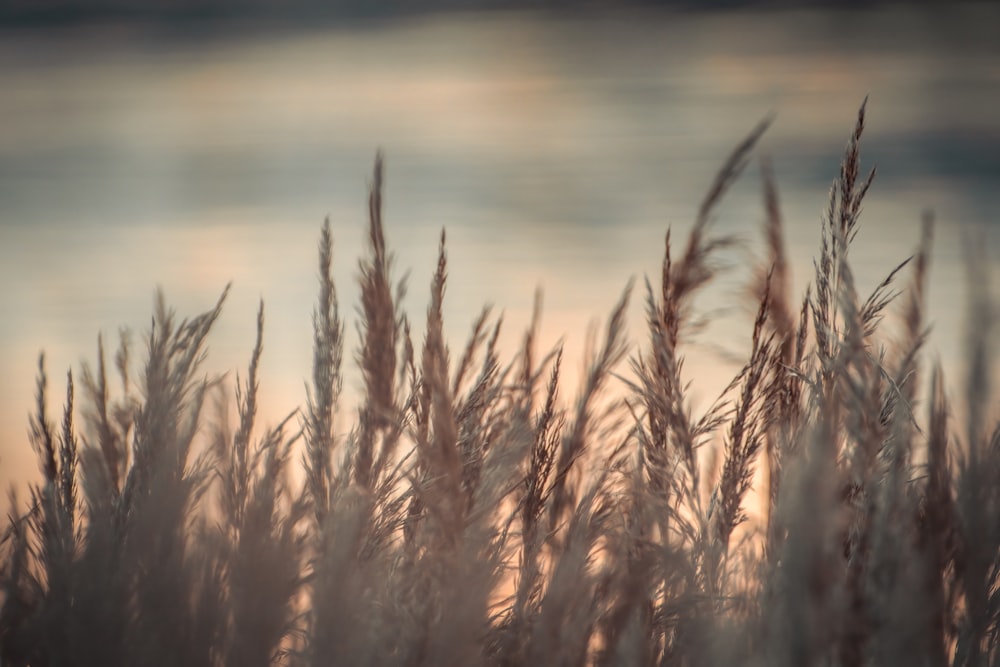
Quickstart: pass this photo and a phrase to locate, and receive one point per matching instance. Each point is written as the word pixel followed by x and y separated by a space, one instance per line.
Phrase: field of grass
pixel 475 510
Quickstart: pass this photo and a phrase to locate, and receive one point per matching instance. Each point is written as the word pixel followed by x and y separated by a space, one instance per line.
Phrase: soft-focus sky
pixel 555 147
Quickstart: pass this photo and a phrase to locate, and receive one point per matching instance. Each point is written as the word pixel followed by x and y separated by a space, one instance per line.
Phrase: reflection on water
pixel 555 152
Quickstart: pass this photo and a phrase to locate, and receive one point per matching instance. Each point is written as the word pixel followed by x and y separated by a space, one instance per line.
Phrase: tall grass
pixel 475 510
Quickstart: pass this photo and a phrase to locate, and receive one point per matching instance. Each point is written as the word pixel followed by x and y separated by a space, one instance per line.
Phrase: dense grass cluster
pixel 468 514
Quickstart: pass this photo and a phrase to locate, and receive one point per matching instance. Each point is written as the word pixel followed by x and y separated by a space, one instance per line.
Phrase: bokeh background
pixel 186 145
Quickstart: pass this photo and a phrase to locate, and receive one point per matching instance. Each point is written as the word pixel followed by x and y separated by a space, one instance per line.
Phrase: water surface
pixel 556 152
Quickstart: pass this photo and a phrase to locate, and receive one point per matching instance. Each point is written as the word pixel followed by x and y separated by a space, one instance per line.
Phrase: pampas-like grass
pixel 468 515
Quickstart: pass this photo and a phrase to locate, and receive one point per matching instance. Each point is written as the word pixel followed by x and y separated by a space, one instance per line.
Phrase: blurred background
pixel 189 144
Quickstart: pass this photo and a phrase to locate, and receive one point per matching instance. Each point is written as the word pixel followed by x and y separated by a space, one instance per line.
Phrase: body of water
pixel 556 151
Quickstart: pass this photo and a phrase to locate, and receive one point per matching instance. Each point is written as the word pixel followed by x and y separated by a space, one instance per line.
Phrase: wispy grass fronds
pixel 580 431
pixel 259 558
pixel 824 510
pixel 381 332
pixel 327 382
